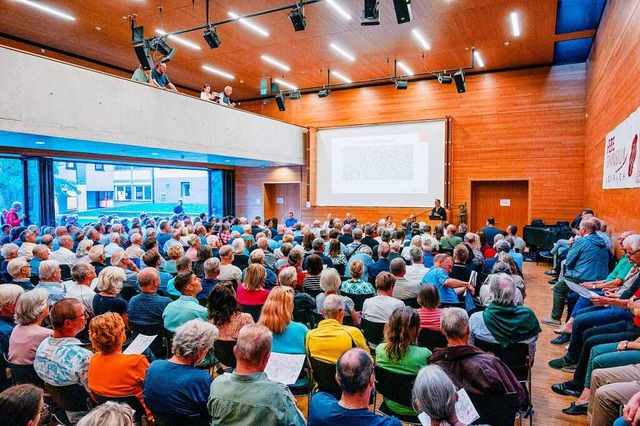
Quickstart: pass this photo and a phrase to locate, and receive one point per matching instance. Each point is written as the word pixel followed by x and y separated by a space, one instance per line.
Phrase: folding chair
pixel 73 398
pixel 160 346
pixel 23 374
pixel 131 400
pixel 323 377
pixel 397 388
pixel 412 302
pixel 358 299
pixel 431 339
pixel 496 410
pixel 223 351
pixel 373 333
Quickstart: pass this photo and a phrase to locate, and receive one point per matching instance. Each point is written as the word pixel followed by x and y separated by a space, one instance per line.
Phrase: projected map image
pixel 386 165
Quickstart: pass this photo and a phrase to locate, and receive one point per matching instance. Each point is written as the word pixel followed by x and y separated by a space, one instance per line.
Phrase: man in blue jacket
pixel 587 260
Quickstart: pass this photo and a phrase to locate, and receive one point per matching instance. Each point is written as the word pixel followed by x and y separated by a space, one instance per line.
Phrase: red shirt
pixel 636 320
pixel 12 218
pixel 251 297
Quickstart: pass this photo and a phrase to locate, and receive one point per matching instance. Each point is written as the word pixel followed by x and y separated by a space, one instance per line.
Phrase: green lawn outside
pixel 134 209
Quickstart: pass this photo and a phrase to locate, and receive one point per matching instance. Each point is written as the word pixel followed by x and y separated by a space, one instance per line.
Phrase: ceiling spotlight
pixel 211 37
pixel 460 81
pixel 297 19
pixel 402 84
pixel 403 10
pixel 323 93
pixel 294 95
pixel 445 79
pixel 370 13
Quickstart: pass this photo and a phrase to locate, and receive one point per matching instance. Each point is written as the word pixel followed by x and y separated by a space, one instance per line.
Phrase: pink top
pixel 192 254
pixel 24 342
pixel 251 297
pixel 230 330
pixel 430 318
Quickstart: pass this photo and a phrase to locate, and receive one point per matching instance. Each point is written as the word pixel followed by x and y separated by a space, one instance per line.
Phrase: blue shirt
pixel 290 221
pixel 161 79
pixel 427 260
pixel 56 291
pixel 165 277
pixel 291 341
pixel 185 394
pixel 147 308
pixel 325 410
pixel 182 310
pixel 207 286
pixel 162 238
pixel 7 325
pixel 382 265
pixel 438 276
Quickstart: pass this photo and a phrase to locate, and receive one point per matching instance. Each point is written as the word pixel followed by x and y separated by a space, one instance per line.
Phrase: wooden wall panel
pixel 522 125
pixel 612 94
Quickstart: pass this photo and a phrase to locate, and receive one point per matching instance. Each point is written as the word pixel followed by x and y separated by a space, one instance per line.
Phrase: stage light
pixel 47 9
pixel 403 10
pixel 284 83
pixel 460 81
pixel 280 102
pixel 343 52
pixel 370 13
pixel 445 79
pixel 297 19
pixel 342 77
pixel 339 9
pixel 211 37
pixel 402 84
pixel 144 55
pixel 324 93
pixel 406 69
pixel 248 24
pixel 515 25
pixel 421 39
pixel 179 39
pixel 294 95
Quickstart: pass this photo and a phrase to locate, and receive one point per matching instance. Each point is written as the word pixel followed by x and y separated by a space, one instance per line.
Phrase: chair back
pixel 323 374
pixel 23 374
pixel 223 350
pixel 373 332
pixel 192 420
pixel 253 310
pixel 131 400
pixel 128 292
pixel 496 410
pixel 313 293
pixel 452 305
pixel 358 299
pixel 395 387
pixel 431 339
pixel 66 272
pixel 160 345
pixel 411 302
pixel 69 398
pixel 515 356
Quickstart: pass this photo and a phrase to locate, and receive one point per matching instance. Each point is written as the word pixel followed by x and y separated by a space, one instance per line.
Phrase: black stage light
pixel 460 83
pixel 402 84
pixel 370 14
pixel 324 93
pixel 297 19
pixel 280 102
pixel 170 56
pixel 294 95
pixel 211 37
pixel 403 10
pixel 144 55
pixel 137 35
pixel 445 79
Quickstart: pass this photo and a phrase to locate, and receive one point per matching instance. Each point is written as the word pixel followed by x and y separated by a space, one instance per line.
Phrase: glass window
pixel 98 167
pixel 185 189
pixel 70 165
pixel 12 183
pixel 216 193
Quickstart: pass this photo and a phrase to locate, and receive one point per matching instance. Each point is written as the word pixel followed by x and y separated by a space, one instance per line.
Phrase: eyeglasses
pixel 632 253
pixel 84 314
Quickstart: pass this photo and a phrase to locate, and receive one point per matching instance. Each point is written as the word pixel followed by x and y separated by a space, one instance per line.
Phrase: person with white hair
pixel 98 258
pixel 20 271
pixel 28 239
pixel 82 250
pixel 135 251
pixel 109 413
pixel 110 283
pixel 121 259
pixel 64 255
pixel 330 284
pixel 81 288
pixel 114 244
pixel 51 279
pixel 435 395
pixel 9 252
pixel 187 392
pixel 173 241
pixel 9 295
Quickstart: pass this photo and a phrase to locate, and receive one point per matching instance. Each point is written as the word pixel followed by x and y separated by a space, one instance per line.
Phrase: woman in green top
pixel 398 353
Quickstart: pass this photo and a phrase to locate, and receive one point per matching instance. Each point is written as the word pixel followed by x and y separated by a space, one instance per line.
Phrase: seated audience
pixel 187 392
pixel 135 251
pixel 485 295
pixel 225 312
pixel 354 373
pixel 211 268
pixel 435 395
pixel 20 271
pixel 182 265
pixel 21 405
pixel 98 258
pixel 379 308
pixel 247 396
pixel 51 280
pixel 120 259
pixel 314 267
pixel 257 256
pixel 331 339
pixel 429 300
pixel 330 284
pixel 403 288
pixel 112 373
pixel 32 308
pixel 194 246
pixel 438 275
pixel 109 285
pixel 9 296
pixel 81 287
pixel 383 263
pixel 228 271
pixel 303 304
pixel 277 316
pixel 205 253
pixel 109 413
pixel 64 255
pixel 355 284
pixel 478 372
pixel 175 253
pixel 450 240
pixel 147 307
pixel 40 252
pixel 416 270
pixel 461 268
pixel 114 244
pixel 152 259
pixel 398 353
pixel 187 306
pixel 240 259
pixel 252 291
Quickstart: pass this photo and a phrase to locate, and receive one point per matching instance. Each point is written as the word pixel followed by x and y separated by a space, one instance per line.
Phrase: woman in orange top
pixel 112 373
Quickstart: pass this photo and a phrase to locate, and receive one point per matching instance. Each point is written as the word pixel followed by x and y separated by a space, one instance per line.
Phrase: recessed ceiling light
pixel 284 83
pixel 39 143
pixel 407 70
pixel 515 25
pixel 217 71
pixel 342 52
pixel 98 28
pixel 249 24
pixel 339 9
pixel 47 9
pixel 478 58
pixel 180 40
pixel 341 77
pixel 421 39
pixel 278 64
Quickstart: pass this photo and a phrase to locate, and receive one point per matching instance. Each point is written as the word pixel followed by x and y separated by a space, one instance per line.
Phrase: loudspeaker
pixel 298 20
pixel 137 35
pixel 403 10
pixel 402 84
pixel 280 102
pixel 460 83
pixel 370 14
pixel 211 37
pixel 144 56
pixel 445 79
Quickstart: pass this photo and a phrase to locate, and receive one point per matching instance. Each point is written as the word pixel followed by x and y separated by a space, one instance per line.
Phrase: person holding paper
pixel 435 395
pixel 277 316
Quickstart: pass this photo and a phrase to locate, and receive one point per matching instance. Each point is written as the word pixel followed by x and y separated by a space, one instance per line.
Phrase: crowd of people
pixel 74 296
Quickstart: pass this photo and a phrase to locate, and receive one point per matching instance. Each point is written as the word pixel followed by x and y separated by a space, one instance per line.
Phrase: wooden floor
pixel 547 404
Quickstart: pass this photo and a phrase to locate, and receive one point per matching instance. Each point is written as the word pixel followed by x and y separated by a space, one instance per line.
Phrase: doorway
pixel 506 201
pixel 280 199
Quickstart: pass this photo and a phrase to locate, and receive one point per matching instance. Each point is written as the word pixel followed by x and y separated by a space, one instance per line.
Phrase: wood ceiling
pixel 450 26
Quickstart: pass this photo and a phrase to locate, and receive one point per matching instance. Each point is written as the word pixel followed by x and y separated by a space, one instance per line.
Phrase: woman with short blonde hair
pixel 252 291
pixel 110 283
pixel 31 309
pixel 330 283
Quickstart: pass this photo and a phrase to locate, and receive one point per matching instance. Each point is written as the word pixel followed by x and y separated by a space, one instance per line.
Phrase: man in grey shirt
pixel 379 308
pixel 404 289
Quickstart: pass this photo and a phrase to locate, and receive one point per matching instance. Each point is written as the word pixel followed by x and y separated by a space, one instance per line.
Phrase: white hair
pixel 9 250
pixel 9 293
pixel 83 248
pixel 31 305
pixel 434 393
pixel 454 322
pixel 117 257
pixel 111 279
pixel 193 337
pixel 330 280
pixel 238 245
pixel 47 269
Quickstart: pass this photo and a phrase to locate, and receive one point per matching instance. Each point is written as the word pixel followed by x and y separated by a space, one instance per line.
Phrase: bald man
pixel 146 308
pixel 64 255
pixel 225 97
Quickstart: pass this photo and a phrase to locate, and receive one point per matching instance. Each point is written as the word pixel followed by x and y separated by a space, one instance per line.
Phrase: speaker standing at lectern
pixel 438 212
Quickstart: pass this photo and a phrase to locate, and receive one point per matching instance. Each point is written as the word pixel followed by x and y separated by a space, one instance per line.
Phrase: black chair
pixel 66 272
pixel 431 339
pixel 496 410
pixel 128 292
pixel 358 299
pixel 397 388
pixel 72 398
pixel 160 346
pixel 452 305
pixel 223 351
pixel 323 375
pixel 373 332
pixel 313 293
pixel 23 374
pixel 412 302
pixel 192 420
pixel 254 310
pixel 131 400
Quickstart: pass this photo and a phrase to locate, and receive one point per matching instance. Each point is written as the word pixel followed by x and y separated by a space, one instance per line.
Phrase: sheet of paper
pixel 284 368
pixel 139 344
pixel 465 410
pixel 582 291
